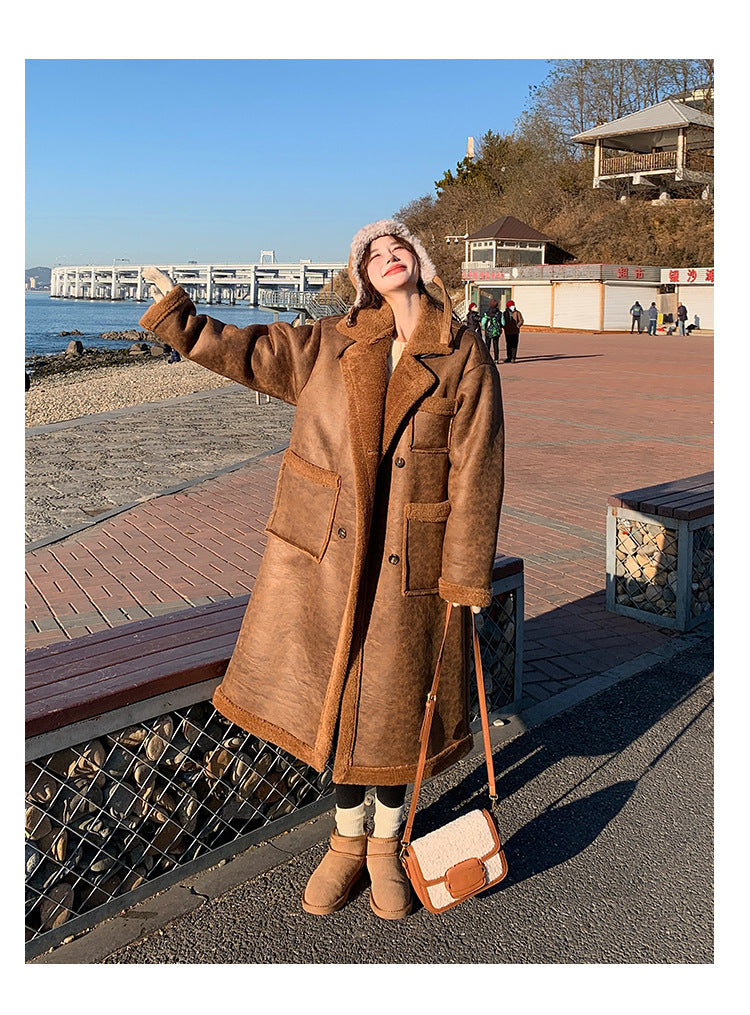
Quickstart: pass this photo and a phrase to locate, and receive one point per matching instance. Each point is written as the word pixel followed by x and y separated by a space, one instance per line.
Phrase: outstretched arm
pixel 275 359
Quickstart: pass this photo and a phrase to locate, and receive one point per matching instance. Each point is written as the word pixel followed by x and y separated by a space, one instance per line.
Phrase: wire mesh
pixel 112 814
pixel 702 576
pixel 496 630
pixel 646 567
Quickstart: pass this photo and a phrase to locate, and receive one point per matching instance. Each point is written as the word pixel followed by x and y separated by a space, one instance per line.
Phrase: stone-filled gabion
pixel 108 815
pixel 702 578
pixel 496 628
pixel 646 567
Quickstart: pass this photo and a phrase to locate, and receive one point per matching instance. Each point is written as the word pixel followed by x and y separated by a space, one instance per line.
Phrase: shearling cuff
pixel 157 312
pixel 464 594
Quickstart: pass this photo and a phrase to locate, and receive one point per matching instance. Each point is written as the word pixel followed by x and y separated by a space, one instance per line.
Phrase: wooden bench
pixel 145 689
pixel 113 671
pixel 660 552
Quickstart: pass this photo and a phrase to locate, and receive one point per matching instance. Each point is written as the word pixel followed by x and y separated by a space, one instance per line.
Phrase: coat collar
pixel 432 335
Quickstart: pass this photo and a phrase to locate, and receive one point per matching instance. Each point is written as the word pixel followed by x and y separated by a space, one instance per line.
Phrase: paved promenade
pixel 586 416
pixel 606 775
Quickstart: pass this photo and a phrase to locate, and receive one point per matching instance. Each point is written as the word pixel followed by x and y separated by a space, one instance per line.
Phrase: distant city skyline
pixel 216 160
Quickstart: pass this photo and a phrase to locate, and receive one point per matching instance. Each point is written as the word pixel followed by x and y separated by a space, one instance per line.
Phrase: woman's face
pixel 391 267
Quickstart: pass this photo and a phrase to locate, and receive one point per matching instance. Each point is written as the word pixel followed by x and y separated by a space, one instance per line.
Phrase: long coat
pixel 387 507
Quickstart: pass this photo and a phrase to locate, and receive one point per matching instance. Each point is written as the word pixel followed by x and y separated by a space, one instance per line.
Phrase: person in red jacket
pixel 512 322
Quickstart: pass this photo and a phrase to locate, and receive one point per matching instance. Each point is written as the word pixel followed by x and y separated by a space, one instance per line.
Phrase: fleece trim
pixel 464 595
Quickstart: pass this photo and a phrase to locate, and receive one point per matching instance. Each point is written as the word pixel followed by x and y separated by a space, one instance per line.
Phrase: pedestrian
pixel 492 325
pixel 512 322
pixel 653 315
pixel 636 314
pixel 681 317
pixel 473 322
pixel 386 510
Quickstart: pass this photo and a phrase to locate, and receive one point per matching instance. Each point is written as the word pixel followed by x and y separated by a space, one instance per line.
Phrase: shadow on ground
pixel 602 727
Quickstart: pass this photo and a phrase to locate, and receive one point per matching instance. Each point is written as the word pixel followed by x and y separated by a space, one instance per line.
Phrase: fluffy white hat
pixel 363 239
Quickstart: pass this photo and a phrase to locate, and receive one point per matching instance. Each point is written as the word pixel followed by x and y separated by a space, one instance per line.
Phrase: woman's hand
pixel 159 282
pixel 474 609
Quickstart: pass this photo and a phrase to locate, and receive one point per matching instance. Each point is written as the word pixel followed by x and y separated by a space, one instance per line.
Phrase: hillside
pixel 42 276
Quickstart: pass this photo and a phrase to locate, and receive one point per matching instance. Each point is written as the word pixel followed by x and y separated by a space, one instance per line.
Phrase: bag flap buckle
pixel 465 877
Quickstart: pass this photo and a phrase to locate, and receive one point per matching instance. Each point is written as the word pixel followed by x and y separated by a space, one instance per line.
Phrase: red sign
pixel 687 276
pixel 486 274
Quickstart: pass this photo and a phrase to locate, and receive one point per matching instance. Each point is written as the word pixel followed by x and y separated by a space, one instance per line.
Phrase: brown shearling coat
pixel 387 507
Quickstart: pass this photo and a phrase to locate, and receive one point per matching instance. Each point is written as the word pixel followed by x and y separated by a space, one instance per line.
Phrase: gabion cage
pixel 110 814
pixel 702 578
pixel 646 569
pixel 497 630
pixel 129 811
pixel 660 569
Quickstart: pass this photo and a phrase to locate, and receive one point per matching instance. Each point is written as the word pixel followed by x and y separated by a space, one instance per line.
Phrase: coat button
pixel 399 463
pixel 342 533
pixel 394 558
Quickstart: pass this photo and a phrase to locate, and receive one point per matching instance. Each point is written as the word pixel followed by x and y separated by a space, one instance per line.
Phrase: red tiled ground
pixel 586 416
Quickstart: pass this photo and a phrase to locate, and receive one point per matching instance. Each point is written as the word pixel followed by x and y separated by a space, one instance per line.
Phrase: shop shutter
pixel 618 299
pixel 699 301
pixel 577 305
pixel 535 303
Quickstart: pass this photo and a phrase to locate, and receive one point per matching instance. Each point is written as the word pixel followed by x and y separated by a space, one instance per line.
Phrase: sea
pixel 46 318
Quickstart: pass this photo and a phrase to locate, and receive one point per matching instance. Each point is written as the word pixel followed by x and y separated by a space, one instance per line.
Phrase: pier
pixel 265 283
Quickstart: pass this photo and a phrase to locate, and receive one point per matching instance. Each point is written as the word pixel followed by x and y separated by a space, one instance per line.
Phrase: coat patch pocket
pixel 424 533
pixel 431 424
pixel 304 505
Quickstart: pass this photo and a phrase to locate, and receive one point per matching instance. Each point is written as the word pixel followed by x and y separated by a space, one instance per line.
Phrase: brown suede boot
pixel 336 874
pixel 390 891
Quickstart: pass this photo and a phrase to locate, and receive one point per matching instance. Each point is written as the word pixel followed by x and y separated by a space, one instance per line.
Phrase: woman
pixel 386 508
pixel 473 320
pixel 512 322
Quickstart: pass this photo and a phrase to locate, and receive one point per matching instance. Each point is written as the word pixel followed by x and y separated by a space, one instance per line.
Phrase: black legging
pixel 353 796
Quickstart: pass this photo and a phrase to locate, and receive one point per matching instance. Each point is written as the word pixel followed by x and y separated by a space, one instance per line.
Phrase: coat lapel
pixel 412 378
pixel 410 381
pixel 377 405
pixel 365 371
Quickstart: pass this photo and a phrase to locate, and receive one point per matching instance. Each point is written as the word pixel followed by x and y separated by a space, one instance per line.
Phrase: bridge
pixel 291 286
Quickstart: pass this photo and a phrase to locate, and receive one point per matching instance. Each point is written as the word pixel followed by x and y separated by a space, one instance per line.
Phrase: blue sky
pixel 214 160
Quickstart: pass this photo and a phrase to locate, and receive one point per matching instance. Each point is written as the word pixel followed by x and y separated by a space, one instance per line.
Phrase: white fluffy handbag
pixel 465 856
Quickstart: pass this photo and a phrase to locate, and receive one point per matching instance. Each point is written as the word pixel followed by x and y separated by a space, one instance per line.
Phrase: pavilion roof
pixel 509 228
pixel 666 117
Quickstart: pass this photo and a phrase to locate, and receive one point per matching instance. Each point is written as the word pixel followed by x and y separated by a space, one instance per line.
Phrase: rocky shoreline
pixel 66 386
pixel 77 357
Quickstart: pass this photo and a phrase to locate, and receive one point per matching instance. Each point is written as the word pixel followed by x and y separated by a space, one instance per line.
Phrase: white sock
pixel 350 820
pixel 387 820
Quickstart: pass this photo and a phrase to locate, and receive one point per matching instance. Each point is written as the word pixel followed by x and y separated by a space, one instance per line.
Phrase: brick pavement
pixel 586 416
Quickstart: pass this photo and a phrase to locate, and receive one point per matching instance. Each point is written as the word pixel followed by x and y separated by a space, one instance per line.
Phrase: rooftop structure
pixel 666 148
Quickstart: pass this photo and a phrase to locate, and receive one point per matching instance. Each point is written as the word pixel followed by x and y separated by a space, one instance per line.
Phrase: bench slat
pixel 47 714
pixel 681 505
pixel 165 660
pixel 128 656
pixel 664 497
pixel 149 629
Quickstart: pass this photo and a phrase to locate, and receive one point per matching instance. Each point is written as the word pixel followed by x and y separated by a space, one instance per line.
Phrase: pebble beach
pixel 55 397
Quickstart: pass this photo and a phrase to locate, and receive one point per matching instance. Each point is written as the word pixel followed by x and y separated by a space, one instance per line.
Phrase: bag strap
pixel 424 734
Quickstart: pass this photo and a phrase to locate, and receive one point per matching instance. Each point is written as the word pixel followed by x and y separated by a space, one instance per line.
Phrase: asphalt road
pixel 606 814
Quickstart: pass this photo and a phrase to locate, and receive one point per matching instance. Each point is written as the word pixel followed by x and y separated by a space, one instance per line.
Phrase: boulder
pixel 75 348
pixel 138 349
